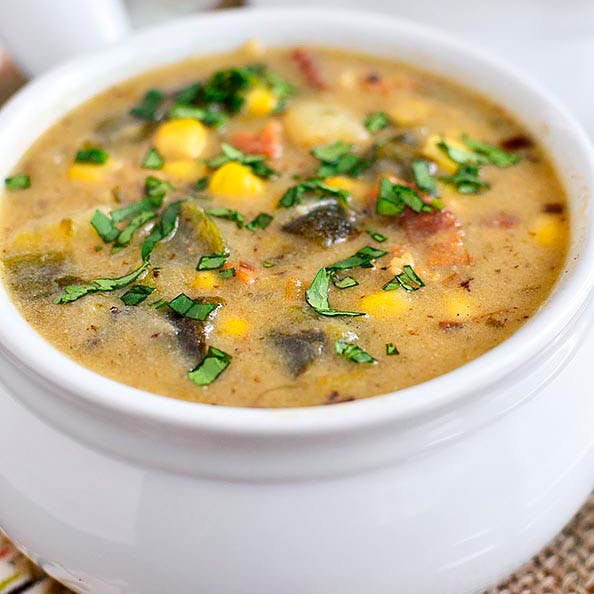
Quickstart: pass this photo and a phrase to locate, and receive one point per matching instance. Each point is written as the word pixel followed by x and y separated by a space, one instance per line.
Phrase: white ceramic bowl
pixel 443 487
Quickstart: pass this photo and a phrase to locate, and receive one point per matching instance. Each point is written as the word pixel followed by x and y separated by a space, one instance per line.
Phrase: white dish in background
pixel 444 487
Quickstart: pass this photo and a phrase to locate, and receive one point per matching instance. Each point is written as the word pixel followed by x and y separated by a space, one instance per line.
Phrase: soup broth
pixel 282 227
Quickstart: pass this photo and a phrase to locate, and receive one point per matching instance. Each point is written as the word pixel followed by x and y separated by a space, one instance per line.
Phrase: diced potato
pixel 384 304
pixel 234 180
pixel 409 111
pixel 233 326
pixel 204 280
pixel 313 123
pixel 183 138
pixel 434 153
pixel 548 230
pixel 459 305
pixel 259 102
pixel 185 170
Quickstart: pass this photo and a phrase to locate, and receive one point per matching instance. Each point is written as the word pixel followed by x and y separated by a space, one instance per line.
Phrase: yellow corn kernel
pixel 88 172
pixel 384 304
pixel 409 111
pixel 184 170
pixel 234 180
pixel 548 230
pixel 183 138
pixel 433 152
pixel 233 326
pixel 259 102
pixel 204 280
pixel 31 239
pixel 458 306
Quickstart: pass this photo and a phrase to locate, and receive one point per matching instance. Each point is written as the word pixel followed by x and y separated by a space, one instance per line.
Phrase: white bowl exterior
pixel 400 493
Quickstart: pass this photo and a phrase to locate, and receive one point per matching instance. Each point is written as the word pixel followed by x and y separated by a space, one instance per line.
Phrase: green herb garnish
pixel 493 154
pixel 467 180
pixel 94 155
pixel 156 189
pixel 363 258
pixel 152 159
pixel 295 194
pixel 17 182
pixel 190 308
pixel 260 222
pixel 74 292
pixel 136 294
pixel 376 122
pixel 201 184
pixel 148 107
pixel 268 264
pixel 379 237
pixel 209 369
pixel 344 283
pixel 393 198
pixel 408 279
pixel 461 156
pixel 104 226
pixel 255 162
pixel 353 352
pixel 423 177
pixel 165 227
pixel 125 236
pixel 317 296
pixel 212 262
pixel 227 213
pixel 227 273
pixel 391 349
pixel 338 159
pixel 209 117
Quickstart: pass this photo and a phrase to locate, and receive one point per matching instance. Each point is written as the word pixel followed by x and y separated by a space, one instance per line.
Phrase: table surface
pixel 566 566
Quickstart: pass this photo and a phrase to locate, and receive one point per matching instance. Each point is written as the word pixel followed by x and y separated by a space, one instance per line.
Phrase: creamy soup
pixel 282 227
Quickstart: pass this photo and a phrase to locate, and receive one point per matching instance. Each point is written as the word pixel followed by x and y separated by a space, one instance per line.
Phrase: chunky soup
pixel 285 227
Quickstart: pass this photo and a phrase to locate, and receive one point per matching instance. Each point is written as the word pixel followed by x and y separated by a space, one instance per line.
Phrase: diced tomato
pixel 266 142
pixel 426 224
pixel 246 273
pixel 309 68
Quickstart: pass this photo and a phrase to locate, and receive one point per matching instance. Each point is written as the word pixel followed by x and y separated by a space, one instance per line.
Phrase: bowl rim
pixel 71 381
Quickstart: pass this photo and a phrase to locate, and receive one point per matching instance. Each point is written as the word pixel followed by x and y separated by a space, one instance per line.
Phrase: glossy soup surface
pixel 462 222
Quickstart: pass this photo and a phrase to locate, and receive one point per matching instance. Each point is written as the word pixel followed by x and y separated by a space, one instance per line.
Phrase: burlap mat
pixel 566 566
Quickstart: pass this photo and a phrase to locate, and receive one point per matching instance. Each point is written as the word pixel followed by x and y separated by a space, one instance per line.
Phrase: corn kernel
pixel 184 170
pixel 409 111
pixel 233 326
pixel 259 102
pixel 204 280
pixel 458 306
pixel 87 172
pixel 433 152
pixel 234 180
pixel 183 138
pixel 384 304
pixel 548 230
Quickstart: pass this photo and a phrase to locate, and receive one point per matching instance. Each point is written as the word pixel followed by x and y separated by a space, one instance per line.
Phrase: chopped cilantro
pixel 393 198
pixel 104 226
pixel 74 292
pixel 338 159
pixel 353 352
pixel 147 108
pixel 209 369
pixel 227 213
pixel 209 117
pixel 379 237
pixel 363 258
pixel 467 180
pixel 391 349
pixel 408 279
pixel 260 222
pixel 344 283
pixel 295 194
pixel 156 189
pixel 190 308
pixel 152 159
pixel 212 262
pixel 17 182
pixel 268 264
pixel 255 162
pixel 165 227
pixel 201 184
pixel 125 236
pixel 423 177
pixel 317 296
pixel 131 210
pixel 227 273
pixel 94 155
pixel 136 294
pixel 493 154
pixel 377 121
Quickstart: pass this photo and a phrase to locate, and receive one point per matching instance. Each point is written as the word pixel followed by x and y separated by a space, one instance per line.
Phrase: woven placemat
pixel 566 566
